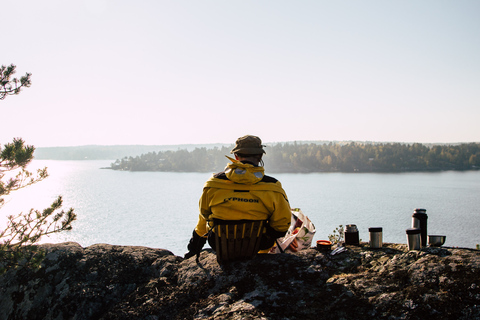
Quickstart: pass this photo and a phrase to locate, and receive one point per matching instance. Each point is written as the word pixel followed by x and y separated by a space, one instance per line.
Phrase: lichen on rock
pixel 125 282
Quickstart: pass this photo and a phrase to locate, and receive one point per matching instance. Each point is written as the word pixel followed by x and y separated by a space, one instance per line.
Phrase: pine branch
pixel 12 86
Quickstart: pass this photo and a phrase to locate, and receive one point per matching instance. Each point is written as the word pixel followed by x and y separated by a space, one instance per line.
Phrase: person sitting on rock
pixel 242 192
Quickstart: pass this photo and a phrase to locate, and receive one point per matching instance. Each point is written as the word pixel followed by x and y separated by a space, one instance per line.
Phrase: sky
pixel 113 72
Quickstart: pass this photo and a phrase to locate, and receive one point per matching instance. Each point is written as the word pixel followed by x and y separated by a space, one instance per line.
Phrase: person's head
pixel 249 148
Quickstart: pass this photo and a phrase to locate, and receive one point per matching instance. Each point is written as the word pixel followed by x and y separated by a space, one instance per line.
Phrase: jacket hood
pixel 243 172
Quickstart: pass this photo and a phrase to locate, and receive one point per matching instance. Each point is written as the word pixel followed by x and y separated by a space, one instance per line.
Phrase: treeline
pixel 329 157
pixel 99 152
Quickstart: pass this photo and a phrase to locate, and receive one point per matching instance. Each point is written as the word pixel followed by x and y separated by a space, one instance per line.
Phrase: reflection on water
pixel 160 210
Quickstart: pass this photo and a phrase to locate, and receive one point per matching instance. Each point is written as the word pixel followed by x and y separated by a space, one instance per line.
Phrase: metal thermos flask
pixel 419 220
pixel 351 235
pixel 413 239
pixel 376 240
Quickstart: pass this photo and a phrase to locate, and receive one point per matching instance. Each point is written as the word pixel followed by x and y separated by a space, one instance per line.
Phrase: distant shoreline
pixel 109 152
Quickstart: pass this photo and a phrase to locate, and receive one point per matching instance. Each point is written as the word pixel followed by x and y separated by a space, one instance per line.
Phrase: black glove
pixel 272 233
pixel 195 245
pixel 269 237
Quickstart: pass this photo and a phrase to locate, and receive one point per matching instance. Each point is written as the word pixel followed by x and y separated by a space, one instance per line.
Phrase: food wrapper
pixel 298 237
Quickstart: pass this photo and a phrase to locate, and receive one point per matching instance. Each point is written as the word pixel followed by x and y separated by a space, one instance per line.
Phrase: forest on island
pixel 328 157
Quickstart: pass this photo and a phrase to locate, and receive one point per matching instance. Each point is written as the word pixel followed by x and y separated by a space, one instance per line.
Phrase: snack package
pixel 298 237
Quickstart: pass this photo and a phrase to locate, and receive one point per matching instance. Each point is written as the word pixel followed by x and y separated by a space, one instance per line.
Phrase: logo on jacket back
pixel 241 200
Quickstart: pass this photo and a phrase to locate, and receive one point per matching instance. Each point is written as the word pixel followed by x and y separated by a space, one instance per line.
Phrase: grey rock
pixel 124 282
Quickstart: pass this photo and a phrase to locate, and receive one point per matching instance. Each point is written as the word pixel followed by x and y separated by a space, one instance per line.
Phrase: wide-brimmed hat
pixel 248 145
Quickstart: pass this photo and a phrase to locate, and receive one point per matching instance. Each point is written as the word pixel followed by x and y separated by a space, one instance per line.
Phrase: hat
pixel 248 145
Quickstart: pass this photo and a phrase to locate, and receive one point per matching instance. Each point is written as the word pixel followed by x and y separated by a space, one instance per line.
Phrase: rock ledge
pixel 125 282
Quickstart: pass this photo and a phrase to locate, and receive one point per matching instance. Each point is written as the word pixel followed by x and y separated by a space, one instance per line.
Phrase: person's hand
pixel 189 254
pixel 294 245
pixel 195 245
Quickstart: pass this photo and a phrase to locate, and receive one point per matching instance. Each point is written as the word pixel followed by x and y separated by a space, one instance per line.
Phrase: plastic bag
pixel 298 237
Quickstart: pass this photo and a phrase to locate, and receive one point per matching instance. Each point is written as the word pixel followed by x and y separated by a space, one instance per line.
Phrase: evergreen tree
pixel 23 231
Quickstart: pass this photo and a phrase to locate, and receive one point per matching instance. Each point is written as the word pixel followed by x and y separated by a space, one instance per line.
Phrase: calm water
pixel 159 209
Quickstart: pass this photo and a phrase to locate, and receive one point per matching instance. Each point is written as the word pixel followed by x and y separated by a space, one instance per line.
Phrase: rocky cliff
pixel 123 282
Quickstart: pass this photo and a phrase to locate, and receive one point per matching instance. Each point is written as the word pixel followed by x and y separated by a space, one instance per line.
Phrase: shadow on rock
pixel 124 282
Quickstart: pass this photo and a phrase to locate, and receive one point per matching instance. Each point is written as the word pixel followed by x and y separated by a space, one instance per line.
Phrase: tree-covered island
pixel 312 157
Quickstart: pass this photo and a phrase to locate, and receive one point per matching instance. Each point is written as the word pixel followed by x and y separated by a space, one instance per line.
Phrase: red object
pixel 324 242
pixel 324 245
pixel 298 223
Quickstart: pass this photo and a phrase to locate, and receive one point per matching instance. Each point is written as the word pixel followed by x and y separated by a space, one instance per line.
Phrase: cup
pixel 376 237
pixel 414 239
pixel 324 245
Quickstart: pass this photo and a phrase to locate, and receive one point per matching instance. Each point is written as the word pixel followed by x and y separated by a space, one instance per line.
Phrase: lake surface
pixel 160 209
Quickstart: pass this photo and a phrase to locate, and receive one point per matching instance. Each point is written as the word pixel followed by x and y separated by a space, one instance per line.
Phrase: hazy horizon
pixel 161 72
pixel 265 142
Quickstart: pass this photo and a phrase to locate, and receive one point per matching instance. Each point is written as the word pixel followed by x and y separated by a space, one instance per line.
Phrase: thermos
pixel 376 240
pixel 413 239
pixel 351 235
pixel 419 221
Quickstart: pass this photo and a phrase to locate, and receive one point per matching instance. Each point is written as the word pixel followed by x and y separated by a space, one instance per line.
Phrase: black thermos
pixel 419 220
pixel 351 235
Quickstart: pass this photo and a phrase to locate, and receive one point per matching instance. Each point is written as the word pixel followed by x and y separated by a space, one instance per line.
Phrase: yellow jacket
pixel 243 192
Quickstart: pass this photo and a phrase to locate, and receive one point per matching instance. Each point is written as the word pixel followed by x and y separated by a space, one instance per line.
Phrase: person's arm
pixel 281 216
pixel 280 219
pixel 199 238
